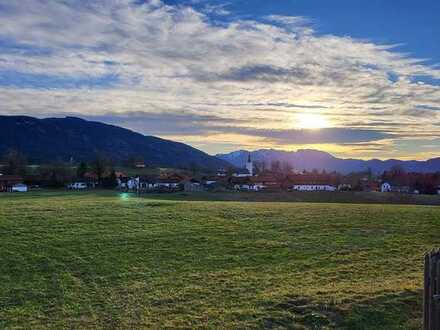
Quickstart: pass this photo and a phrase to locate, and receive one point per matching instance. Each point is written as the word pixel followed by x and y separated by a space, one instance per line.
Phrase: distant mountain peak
pixel 310 159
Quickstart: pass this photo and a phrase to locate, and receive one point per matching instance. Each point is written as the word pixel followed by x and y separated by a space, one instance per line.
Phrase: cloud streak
pixel 190 123
pixel 175 72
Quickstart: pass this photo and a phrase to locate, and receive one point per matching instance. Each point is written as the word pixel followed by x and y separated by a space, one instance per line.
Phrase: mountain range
pixel 307 159
pixel 50 139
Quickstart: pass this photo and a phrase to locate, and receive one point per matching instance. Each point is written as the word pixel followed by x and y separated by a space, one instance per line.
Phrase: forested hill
pixel 46 140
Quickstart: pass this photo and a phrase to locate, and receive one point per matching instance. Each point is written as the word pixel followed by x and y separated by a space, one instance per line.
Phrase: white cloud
pixel 171 59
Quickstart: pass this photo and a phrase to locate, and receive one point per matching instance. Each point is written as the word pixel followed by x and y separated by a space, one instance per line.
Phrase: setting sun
pixel 311 121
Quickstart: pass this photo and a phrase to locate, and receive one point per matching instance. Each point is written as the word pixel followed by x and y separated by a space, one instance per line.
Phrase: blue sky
pixel 355 78
pixel 414 25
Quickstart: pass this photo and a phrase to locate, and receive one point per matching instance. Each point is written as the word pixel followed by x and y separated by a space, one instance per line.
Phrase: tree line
pixel 58 173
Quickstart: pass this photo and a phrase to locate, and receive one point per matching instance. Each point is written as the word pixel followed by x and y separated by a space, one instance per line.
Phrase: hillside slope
pixel 43 140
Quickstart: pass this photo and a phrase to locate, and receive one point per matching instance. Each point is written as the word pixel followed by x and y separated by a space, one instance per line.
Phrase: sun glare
pixel 311 121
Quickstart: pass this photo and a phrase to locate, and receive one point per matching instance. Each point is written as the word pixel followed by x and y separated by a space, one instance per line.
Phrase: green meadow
pixel 115 261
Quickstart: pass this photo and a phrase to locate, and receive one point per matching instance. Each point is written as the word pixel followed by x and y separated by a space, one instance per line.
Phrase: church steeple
pixel 250 165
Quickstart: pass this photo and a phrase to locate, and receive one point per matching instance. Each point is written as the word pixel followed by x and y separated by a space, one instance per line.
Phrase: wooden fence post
pixel 431 295
pixel 436 292
pixel 426 293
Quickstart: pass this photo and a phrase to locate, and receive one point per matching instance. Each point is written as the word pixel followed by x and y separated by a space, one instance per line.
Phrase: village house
pixel 344 187
pixel 401 189
pixel 385 187
pixel 122 183
pixel 135 183
pixel 139 183
pixel 222 172
pixel 311 182
pixel 193 185
pixel 140 164
pixel 91 179
pixel 312 187
pixel 214 182
pixel 242 184
pixel 77 186
pixel 122 180
pixel 266 181
pixel 120 175
pixel 241 173
pixel 169 183
pixel 142 183
pixel 210 180
pixel 370 186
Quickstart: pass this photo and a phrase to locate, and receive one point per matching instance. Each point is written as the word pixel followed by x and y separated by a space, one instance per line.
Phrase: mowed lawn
pixel 109 261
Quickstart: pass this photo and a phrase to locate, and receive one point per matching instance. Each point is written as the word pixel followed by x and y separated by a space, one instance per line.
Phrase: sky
pixel 359 79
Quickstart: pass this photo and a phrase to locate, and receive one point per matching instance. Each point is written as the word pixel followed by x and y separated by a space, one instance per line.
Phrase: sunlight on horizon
pixel 311 121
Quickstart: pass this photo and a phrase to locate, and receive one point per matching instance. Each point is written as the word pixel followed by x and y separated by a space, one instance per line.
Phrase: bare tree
pixel 15 163
pixel 99 166
pixel 81 170
pixel 397 170
pixel 258 167
pixel 56 174
pixel 286 167
pixel 275 166
pixel 193 168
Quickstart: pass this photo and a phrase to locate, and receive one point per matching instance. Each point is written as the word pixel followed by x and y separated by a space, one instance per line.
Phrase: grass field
pixel 103 260
pixel 308 197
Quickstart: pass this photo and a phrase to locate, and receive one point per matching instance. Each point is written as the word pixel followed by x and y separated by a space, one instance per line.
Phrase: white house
pixel 167 184
pixel 211 180
pixel 193 186
pixel 132 183
pixel 77 186
pixel 19 187
pixel 385 187
pixel 344 187
pixel 222 172
pixel 246 187
pixel 243 173
pixel 313 187
pixel 151 183
pixel 140 164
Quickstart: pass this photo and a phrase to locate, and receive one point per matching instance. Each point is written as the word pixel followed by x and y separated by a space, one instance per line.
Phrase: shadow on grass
pixel 301 197
pixel 392 311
